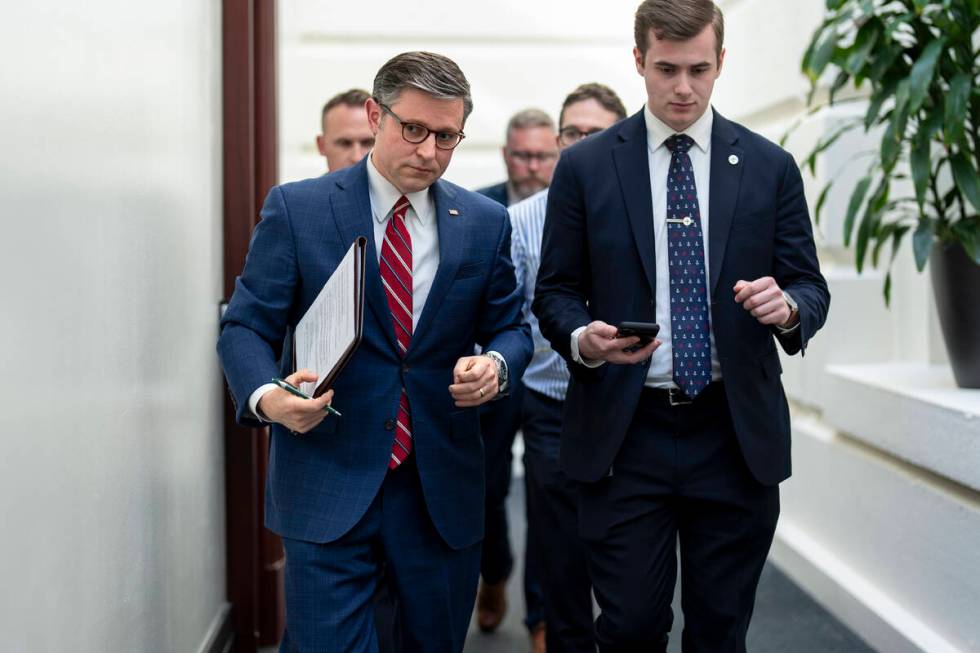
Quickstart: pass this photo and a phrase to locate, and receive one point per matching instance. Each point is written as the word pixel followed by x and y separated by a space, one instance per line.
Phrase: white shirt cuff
pixel 787 331
pixel 576 356
pixel 253 400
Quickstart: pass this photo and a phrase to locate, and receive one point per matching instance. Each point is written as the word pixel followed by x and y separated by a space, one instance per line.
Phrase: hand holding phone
pixel 645 331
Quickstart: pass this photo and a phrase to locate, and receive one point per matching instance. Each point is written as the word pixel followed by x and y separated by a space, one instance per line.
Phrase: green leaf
pixel 882 62
pixel 965 176
pixel 820 201
pixel 920 165
pixel 887 289
pixel 957 102
pixel 967 232
pixel 866 40
pixel 870 222
pixel 891 146
pixel 922 72
pixel 822 54
pixel 922 241
pixel 857 199
pixel 839 83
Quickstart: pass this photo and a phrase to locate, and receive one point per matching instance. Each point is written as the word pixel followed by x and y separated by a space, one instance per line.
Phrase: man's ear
pixel 374 113
pixel 319 145
pixel 721 60
pixel 638 58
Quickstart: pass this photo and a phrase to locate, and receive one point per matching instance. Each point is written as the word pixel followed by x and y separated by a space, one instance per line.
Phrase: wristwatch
pixel 794 311
pixel 501 369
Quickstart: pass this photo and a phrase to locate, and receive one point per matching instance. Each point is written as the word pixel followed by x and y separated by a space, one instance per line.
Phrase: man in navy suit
pixel 680 217
pixel 398 480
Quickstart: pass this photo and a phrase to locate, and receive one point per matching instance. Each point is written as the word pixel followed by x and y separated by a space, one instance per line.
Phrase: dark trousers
pixel 552 523
pixel 499 423
pixel 329 587
pixel 679 475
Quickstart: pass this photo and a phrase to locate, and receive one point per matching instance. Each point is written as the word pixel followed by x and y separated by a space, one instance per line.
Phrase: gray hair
pixel 529 118
pixel 430 73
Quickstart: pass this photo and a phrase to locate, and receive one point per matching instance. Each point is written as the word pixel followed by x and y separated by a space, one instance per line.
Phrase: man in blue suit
pixel 687 437
pixel 398 480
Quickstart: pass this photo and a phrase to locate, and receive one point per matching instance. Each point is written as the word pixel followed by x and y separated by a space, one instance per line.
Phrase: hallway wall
pixel 111 473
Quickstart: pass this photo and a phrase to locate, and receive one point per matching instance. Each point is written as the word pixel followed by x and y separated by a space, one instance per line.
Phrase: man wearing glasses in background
pixel 552 518
pixel 530 155
pixel 398 480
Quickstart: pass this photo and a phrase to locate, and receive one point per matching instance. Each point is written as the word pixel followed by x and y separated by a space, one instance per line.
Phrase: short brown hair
pixel 605 96
pixel 431 73
pixel 677 20
pixel 529 118
pixel 352 98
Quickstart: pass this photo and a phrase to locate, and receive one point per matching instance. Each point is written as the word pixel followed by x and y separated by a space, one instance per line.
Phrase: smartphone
pixel 645 331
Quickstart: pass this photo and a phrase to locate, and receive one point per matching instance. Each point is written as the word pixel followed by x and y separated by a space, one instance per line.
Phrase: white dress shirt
pixel 661 371
pixel 423 229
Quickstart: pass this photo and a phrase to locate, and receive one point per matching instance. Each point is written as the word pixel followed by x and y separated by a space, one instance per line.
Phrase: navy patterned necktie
pixel 688 289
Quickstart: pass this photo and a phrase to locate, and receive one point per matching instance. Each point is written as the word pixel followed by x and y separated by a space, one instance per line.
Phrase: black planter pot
pixel 956 285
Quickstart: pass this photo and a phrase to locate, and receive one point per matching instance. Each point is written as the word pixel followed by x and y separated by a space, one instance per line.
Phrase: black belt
pixel 677 397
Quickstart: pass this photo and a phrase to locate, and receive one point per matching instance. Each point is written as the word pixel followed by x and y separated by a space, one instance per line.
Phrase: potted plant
pixel 917 65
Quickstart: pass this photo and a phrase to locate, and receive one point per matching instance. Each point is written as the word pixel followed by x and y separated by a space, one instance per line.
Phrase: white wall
pixel 515 55
pixel 111 476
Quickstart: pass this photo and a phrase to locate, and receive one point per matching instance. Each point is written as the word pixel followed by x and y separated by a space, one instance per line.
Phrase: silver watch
pixel 794 308
pixel 501 369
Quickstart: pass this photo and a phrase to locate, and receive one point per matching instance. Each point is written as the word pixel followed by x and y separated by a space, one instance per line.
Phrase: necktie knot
pixel 679 143
pixel 401 207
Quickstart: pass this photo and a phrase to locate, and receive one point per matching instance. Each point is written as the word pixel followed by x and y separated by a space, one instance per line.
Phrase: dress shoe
pixel 538 638
pixel 491 605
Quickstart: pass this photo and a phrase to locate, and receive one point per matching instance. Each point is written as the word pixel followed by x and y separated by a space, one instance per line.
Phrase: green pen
pixel 291 389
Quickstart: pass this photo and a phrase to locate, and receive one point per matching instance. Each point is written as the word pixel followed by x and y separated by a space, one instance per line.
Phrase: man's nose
pixel 427 148
pixel 683 85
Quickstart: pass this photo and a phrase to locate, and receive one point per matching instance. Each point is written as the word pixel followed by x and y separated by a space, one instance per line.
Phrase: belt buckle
pixel 676 397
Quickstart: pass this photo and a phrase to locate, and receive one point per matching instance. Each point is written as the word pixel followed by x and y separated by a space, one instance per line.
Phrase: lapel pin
pixel 733 160
pixel 453 212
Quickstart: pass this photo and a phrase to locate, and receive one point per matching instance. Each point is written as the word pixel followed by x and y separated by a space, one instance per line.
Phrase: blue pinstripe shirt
pixel 547 372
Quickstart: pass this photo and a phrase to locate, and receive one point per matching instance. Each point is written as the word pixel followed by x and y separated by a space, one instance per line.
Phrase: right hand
pixel 296 414
pixel 599 342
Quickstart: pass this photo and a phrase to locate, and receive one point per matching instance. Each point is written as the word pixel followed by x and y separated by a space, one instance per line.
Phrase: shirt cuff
pixel 253 400
pixel 503 372
pixel 578 357
pixel 788 330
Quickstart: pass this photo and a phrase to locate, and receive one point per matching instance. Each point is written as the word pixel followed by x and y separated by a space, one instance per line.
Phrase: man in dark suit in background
pixel 398 480
pixel 529 154
pixel 687 437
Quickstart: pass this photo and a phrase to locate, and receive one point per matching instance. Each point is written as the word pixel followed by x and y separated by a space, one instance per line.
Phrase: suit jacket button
pixel 389 425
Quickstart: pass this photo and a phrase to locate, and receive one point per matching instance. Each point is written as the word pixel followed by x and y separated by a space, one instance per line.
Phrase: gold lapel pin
pixel 453 212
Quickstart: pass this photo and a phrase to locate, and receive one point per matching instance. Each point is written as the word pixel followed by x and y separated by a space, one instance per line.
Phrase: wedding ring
pixel 482 393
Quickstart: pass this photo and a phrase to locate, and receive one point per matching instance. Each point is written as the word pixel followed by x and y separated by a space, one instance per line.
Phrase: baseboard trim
pixel 221 634
pixel 854 600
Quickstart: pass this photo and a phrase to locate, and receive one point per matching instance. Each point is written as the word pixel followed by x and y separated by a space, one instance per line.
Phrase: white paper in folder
pixel 330 330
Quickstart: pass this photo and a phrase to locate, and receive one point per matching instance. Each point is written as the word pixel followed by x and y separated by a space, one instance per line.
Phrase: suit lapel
pixel 353 217
pixel 633 168
pixel 451 239
pixel 727 162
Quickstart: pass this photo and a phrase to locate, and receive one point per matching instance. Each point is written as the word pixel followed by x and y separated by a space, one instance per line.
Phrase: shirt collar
pixel 658 131
pixel 384 195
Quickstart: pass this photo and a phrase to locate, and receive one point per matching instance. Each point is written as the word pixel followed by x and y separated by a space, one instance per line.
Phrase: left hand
pixel 764 299
pixel 474 381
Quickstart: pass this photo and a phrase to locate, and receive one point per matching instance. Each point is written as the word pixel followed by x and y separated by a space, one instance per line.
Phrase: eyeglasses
pixel 569 135
pixel 415 133
pixel 527 157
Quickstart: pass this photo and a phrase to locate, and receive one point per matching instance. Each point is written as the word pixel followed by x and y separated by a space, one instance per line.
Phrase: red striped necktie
pixel 396 275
